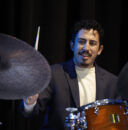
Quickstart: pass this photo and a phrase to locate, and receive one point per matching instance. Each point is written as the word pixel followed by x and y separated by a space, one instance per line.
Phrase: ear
pixel 72 45
pixel 100 49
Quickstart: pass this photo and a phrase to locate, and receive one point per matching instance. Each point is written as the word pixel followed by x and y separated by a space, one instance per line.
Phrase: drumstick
pixel 37 38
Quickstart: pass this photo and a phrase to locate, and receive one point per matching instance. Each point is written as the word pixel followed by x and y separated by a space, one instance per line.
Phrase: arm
pixel 30 102
pixel 36 105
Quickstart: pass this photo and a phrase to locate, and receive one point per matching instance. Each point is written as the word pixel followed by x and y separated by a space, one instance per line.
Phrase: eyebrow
pixel 93 40
pixel 86 39
pixel 81 38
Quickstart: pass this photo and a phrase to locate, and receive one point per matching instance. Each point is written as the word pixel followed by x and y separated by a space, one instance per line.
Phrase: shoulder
pixel 105 73
pixel 62 66
pixel 57 68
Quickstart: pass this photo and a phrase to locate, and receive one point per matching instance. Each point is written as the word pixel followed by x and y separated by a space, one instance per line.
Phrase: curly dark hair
pixel 87 24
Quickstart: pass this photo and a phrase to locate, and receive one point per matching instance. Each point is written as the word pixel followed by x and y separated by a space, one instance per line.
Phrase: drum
pixel 106 114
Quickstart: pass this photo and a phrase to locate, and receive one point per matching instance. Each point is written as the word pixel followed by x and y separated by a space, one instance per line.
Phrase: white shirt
pixel 87 84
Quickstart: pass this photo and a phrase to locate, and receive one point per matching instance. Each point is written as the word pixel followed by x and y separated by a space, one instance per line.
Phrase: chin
pixel 84 64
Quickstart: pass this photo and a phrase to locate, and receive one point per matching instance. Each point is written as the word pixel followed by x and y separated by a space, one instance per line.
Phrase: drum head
pixel 103 102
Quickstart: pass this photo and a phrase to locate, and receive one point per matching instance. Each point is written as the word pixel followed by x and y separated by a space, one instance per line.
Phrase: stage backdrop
pixel 20 18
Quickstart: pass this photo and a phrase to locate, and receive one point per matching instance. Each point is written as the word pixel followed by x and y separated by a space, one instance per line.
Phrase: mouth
pixel 85 55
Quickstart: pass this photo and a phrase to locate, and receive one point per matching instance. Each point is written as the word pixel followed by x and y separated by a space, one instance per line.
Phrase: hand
pixel 32 99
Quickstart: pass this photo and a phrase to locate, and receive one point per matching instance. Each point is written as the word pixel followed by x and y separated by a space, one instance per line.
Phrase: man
pixel 76 82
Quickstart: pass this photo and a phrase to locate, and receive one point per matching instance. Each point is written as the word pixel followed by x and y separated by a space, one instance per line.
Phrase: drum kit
pixel 105 114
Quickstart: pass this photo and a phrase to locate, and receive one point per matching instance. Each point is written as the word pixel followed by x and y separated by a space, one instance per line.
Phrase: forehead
pixel 91 34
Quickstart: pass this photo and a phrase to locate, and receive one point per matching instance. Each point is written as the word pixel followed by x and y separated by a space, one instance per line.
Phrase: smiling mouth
pixel 85 54
pixel 85 57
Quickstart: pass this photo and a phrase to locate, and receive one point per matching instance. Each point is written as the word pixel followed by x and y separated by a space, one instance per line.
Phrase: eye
pixel 82 42
pixel 92 43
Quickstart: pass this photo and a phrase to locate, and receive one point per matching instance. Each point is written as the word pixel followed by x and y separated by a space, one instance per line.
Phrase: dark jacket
pixel 63 92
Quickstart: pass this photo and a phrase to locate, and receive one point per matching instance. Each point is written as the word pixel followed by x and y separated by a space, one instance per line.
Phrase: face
pixel 86 47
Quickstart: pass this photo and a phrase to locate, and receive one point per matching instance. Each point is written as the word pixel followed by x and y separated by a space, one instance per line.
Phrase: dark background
pixel 20 18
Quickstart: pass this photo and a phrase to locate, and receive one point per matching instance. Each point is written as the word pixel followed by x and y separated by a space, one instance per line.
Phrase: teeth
pixel 85 55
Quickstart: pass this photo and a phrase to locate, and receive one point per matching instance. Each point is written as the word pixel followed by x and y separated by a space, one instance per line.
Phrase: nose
pixel 86 46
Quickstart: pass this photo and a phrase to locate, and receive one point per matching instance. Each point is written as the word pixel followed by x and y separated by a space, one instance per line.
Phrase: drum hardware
pixel 82 123
pixel 114 118
pixel 71 120
pixel 126 107
pixel 126 110
pixel 96 110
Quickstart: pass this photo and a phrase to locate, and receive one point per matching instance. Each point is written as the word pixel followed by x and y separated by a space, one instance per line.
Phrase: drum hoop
pixel 105 102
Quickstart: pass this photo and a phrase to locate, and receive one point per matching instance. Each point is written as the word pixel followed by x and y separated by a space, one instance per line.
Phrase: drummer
pixel 76 82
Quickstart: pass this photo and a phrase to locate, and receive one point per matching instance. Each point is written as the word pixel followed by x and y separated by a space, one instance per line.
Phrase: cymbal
pixel 23 70
pixel 122 83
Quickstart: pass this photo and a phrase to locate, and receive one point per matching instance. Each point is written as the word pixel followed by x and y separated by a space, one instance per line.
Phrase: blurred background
pixel 21 18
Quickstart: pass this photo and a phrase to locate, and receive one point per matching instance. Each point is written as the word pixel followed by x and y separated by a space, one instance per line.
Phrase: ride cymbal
pixel 122 83
pixel 23 70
